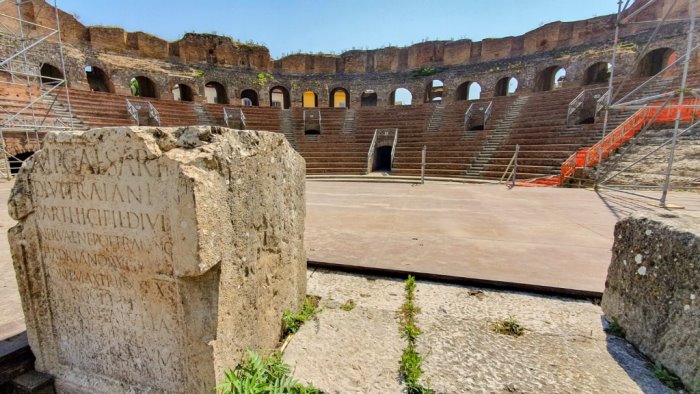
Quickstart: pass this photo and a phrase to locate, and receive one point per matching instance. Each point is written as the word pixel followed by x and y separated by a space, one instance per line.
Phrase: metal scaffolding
pixel 34 110
pixel 626 102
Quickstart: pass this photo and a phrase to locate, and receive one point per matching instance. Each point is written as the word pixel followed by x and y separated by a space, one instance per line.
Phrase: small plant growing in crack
pixel 509 326
pixel 668 378
pixel 410 365
pixel 292 321
pixel 348 305
pixel 614 328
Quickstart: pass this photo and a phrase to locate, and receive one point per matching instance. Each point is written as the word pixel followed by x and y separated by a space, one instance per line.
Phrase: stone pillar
pixel 653 289
pixel 150 259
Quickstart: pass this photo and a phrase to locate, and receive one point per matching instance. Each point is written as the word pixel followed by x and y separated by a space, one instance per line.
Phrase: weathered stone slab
pixel 653 289
pixel 150 259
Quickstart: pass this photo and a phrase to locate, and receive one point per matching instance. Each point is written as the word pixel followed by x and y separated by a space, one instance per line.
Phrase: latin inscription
pixel 106 243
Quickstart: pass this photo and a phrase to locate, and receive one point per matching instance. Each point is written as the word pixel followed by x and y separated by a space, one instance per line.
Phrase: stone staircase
pixel 203 117
pixel 349 121
pixel 436 118
pixel 61 112
pixel 287 126
pixel 496 138
pixel 650 171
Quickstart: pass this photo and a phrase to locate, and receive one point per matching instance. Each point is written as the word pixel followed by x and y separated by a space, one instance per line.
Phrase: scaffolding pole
pixel 21 65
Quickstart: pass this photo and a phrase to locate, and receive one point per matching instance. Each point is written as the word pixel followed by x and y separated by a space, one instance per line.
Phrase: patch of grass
pixel 668 378
pixel 614 328
pixel 262 375
pixel 292 321
pixel 410 365
pixel 348 305
pixel 508 326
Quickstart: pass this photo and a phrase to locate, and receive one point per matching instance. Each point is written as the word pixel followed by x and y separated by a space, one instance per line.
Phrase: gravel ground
pixel 563 350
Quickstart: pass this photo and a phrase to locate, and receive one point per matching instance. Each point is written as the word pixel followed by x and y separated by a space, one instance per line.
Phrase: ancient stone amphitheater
pixel 468 102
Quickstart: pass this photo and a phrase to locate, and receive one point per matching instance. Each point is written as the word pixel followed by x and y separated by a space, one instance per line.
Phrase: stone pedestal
pixel 653 289
pixel 150 259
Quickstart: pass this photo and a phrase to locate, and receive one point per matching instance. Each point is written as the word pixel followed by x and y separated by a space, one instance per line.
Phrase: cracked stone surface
pixel 564 348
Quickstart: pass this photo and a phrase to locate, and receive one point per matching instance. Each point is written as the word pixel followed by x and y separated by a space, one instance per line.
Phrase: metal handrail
pixel 393 146
pixel 487 112
pixel 575 104
pixel 132 110
pixel 370 152
pixel 602 101
pixel 513 174
pixel 153 113
pixel 228 115
pixel 468 116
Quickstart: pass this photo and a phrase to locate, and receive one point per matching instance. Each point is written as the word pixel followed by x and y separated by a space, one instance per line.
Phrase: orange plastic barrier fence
pixel 591 156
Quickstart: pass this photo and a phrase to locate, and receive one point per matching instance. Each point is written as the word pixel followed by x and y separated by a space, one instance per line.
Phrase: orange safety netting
pixel 591 156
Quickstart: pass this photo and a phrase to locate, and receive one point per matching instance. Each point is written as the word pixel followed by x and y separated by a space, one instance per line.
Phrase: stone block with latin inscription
pixel 149 259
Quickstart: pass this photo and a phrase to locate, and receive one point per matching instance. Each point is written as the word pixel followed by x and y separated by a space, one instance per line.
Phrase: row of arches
pixel 548 79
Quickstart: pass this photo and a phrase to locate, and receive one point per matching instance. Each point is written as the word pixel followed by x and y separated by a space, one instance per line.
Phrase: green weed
pixel 667 377
pixel 410 365
pixel 262 375
pixel 508 326
pixel 292 321
pixel 348 305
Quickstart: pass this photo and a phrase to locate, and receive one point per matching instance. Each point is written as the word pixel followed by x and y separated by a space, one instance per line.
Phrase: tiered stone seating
pixel 541 131
pixel 98 109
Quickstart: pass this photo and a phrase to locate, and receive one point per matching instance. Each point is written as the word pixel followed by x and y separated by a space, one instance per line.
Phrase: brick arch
pixel 19 144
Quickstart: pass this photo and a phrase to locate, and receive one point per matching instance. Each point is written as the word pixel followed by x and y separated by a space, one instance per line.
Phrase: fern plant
pixel 262 375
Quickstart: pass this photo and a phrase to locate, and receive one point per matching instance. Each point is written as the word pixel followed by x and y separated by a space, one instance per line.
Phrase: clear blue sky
pixel 286 26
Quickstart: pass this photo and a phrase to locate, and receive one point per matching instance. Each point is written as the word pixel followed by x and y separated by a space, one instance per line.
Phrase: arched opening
pixel 215 93
pixel 597 73
pixel 309 99
pixel 434 91
pixel 182 92
pixel 474 91
pixel 98 80
pixel 468 91
pixel 382 159
pixel 143 87
pixel 655 61
pixel 550 78
pixel 279 97
pixel 400 96
pixel 506 86
pixel 339 98
pixel 249 98
pixel 368 99
pixel 50 75
pixel 17 160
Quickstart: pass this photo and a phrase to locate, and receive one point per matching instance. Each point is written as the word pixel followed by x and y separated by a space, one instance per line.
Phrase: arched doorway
pixel 215 93
pixel 434 91
pixel 98 80
pixel 368 99
pixel 400 96
pixel 468 91
pixel 50 75
pixel 550 78
pixel 653 62
pixel 506 86
pixel 597 73
pixel 182 92
pixel 339 98
pixel 249 98
pixel 279 97
pixel 143 87
pixel 309 99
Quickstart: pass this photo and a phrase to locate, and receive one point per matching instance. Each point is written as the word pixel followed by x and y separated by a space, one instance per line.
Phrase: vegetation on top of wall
pixel 262 375
pixel 198 74
pixel 425 71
